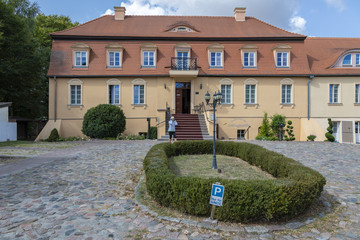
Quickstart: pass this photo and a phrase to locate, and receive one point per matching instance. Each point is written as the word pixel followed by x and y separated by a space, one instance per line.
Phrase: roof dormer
pixel 348 59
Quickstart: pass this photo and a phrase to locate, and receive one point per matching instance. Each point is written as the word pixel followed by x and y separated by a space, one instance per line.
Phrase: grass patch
pixel 231 167
pixel 31 144
pixel 15 143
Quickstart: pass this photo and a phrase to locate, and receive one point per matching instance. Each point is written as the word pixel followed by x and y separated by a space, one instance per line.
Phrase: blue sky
pixel 320 18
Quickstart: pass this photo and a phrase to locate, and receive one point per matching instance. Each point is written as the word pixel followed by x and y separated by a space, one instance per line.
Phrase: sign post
pixel 216 199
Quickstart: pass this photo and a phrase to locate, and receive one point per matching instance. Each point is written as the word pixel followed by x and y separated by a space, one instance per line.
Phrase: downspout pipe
pixel 311 77
pixel 55 98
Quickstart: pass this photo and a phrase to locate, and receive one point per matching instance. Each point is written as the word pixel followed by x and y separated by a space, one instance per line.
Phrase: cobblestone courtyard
pixel 87 191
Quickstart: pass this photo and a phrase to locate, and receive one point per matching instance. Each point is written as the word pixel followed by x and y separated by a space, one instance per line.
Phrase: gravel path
pixel 87 192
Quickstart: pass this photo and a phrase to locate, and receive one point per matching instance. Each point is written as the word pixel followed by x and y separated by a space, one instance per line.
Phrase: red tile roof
pixel 159 26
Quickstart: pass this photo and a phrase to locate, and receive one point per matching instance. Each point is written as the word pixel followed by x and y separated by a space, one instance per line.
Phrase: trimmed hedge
pixel 291 193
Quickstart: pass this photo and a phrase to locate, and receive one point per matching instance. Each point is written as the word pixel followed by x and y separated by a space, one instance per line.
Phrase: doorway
pixel 357 132
pixel 183 96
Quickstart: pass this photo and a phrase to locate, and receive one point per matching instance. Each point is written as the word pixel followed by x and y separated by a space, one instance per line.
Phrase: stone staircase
pixel 190 127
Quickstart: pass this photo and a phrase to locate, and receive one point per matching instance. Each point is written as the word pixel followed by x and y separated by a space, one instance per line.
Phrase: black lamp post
pixel 282 131
pixel 216 100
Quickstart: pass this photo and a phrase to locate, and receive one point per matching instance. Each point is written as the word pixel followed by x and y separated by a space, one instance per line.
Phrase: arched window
pixel 347 60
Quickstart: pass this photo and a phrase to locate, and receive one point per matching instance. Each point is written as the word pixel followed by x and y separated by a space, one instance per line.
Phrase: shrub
pixel 265 130
pixel 54 136
pixel 294 190
pixel 328 135
pixel 311 138
pixel 277 125
pixel 153 132
pixel 104 120
pixel 289 131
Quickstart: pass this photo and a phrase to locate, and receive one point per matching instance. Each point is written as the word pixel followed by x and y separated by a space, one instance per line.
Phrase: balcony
pixel 183 67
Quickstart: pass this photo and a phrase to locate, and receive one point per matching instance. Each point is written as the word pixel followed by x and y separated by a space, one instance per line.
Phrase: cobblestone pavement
pixel 89 194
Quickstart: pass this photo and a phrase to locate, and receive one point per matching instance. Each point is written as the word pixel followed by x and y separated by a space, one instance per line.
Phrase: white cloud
pixel 298 24
pixel 275 12
pixel 339 4
pixel 108 12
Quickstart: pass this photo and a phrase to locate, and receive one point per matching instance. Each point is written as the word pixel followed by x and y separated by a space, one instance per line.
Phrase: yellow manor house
pixel 153 67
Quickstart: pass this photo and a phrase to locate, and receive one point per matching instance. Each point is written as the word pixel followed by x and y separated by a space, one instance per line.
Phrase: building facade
pixel 152 65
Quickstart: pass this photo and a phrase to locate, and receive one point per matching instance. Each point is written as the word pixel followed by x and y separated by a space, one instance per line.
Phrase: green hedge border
pixel 291 193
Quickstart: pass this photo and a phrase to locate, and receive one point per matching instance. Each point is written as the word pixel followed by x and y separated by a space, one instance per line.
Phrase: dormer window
pixel 114 55
pixel 81 53
pixel 181 26
pixel 216 55
pixel 282 55
pixel 347 60
pixel 148 55
pixel 249 56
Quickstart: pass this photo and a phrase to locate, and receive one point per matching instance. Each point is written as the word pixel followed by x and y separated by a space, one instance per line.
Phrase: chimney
pixel 119 13
pixel 240 14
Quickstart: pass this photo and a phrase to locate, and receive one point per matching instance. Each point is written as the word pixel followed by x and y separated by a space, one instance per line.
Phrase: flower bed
pixel 291 193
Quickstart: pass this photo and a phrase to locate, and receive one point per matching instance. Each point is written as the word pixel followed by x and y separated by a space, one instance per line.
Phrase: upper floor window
pixel 114 59
pixel 358 59
pixel 282 59
pixel 80 59
pixel 249 59
pixel 182 29
pixel 282 55
pixel 216 55
pixel 80 55
pixel 148 55
pixel 334 93
pixel 215 59
pixel 357 93
pixel 226 93
pixel 347 60
pixel 114 94
pixel 148 58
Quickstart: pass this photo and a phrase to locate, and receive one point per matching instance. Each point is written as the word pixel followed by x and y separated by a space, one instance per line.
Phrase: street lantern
pixel 217 97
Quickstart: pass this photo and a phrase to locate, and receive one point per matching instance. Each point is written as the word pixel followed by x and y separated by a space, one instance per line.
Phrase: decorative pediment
pixel 251 81
pixel 148 46
pixel 287 81
pixel 182 46
pixel 114 46
pixel 113 81
pixel 216 46
pixel 80 46
pixel 249 47
pixel 226 81
pixel 75 82
pixel 282 46
pixel 138 81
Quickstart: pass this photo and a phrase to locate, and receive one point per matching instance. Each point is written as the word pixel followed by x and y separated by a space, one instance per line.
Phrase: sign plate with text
pixel 217 195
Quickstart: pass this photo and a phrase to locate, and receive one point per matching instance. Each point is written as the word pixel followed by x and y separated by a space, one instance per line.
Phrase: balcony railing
pixel 183 64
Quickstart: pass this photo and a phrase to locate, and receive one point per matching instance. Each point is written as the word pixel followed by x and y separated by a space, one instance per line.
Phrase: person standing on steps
pixel 172 124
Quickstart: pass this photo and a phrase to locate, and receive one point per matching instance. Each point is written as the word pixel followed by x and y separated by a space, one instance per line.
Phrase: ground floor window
pixel 139 94
pixel 357 132
pixel 75 94
pixel 241 134
pixel 114 94
pixel 250 94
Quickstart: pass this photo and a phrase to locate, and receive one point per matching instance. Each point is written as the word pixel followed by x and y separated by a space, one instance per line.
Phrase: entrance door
pixel 336 126
pixel 183 97
pixel 182 60
pixel 357 132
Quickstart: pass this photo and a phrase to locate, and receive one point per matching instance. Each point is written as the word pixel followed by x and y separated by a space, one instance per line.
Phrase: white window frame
pixel 143 58
pixel 225 98
pixel 250 98
pixel 80 58
pixel 113 82
pixel 224 82
pixel 139 82
pixel 357 93
pixel 248 59
pixel 332 94
pixel 252 82
pixel 282 59
pixel 79 84
pixel 336 134
pixel 218 59
pixel 348 64
pixel 114 65
pixel 357 59
pixel 287 81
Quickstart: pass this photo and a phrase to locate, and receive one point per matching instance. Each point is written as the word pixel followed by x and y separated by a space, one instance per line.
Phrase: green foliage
pixel 54 136
pixel 276 121
pixel 290 132
pixel 265 130
pixel 153 132
pixel 104 120
pixel 311 138
pixel 294 190
pixel 24 59
pixel 328 135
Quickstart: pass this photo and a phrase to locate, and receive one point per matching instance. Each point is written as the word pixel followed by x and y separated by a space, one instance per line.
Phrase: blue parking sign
pixel 217 195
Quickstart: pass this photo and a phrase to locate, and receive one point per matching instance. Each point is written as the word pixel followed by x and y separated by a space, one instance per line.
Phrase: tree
pixel 104 120
pixel 290 132
pixel 265 130
pixel 277 125
pixel 328 135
